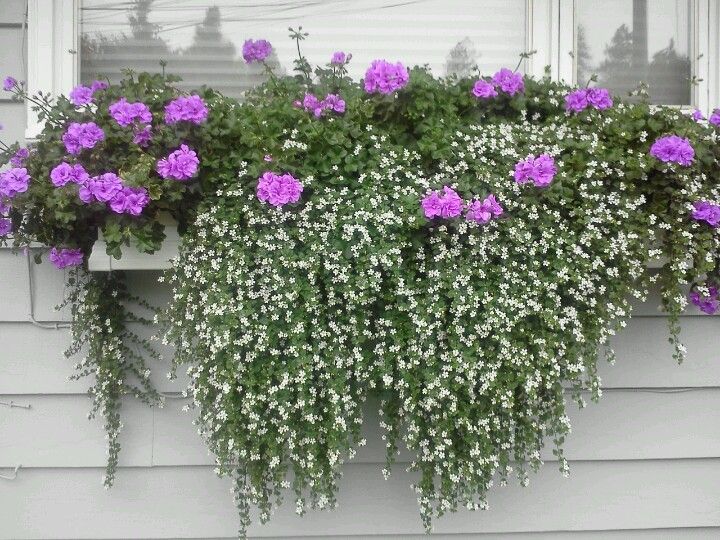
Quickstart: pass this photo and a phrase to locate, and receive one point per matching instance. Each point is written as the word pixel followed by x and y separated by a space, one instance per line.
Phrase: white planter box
pixel 132 259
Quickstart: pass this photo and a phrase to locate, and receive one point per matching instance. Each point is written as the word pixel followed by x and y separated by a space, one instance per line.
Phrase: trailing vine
pixel 115 356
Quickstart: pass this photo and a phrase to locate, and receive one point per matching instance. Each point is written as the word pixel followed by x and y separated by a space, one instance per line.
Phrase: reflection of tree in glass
pixel 210 58
pixel 582 56
pixel 626 63
pixel 461 59
pixel 105 55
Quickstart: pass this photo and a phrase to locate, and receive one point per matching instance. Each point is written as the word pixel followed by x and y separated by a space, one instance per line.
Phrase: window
pixel 664 42
pixel 625 42
pixel 201 41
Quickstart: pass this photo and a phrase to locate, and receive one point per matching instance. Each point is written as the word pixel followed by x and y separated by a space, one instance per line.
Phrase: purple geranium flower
pixel 14 181
pixel 126 113
pixel 186 108
pixel 540 170
pixel 484 90
pixel 182 164
pixel 143 136
pixel 18 159
pixel 707 302
pixel 312 104
pixel 63 258
pixel 577 100
pixel 81 95
pixel 79 136
pixel 445 205
pixel 65 173
pixel 509 82
pixel 697 115
pixel 5 226
pixel 672 148
pixel 9 83
pixel 277 189
pixel 96 86
pixel 100 188
pixel 706 211
pixel 485 210
pixel 599 98
pixel 256 51
pixel 339 58
pixel 385 78
pixel 130 200
pixel 334 103
pixel 715 118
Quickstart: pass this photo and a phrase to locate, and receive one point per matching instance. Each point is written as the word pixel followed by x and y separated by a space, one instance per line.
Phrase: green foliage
pixel 292 319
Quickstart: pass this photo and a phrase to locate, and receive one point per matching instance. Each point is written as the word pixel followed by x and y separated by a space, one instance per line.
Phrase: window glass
pixel 628 41
pixel 201 40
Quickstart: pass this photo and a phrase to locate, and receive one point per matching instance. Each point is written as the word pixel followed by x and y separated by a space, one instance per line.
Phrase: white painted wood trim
pixel 52 52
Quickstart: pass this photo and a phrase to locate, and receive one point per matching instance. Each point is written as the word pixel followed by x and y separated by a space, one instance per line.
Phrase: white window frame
pixel 53 42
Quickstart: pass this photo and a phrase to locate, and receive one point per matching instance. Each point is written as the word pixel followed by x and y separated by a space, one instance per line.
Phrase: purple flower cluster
pixel 65 173
pixel 708 303
pixel 278 189
pixel 707 212
pixel 84 95
pixel 256 51
pixel 582 98
pixel 142 136
pixel 14 181
pixel 697 115
pixel 385 77
pixel 482 89
pixel 97 86
pixel 540 170
pixel 79 136
pixel 9 84
pixel 5 226
pixel 182 164
pixel 339 58
pixel 130 200
pixel 186 108
pixel 126 113
pixel 485 210
pixel 509 82
pixel 81 95
pixel 62 258
pixel 715 118
pixel 101 188
pixel 18 159
pixel 108 188
pixel 672 148
pixel 332 102
pixel 445 204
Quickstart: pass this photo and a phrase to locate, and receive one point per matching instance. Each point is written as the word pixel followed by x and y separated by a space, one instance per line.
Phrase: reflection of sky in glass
pixel 667 21
pixel 412 31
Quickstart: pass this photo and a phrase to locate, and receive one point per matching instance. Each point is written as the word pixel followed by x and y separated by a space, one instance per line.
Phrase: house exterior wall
pixel 645 461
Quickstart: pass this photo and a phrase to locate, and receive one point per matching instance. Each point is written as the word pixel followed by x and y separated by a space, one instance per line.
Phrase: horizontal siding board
pixel 32 360
pixel 190 502
pixel 656 534
pixel 624 425
pixel 56 431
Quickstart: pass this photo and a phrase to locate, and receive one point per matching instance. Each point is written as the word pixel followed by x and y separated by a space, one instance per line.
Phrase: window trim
pixel 53 42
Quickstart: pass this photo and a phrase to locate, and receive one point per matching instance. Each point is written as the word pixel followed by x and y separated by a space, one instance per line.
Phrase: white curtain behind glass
pixel 201 40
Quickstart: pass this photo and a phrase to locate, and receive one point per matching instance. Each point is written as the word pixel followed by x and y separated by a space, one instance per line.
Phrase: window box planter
pixel 132 259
